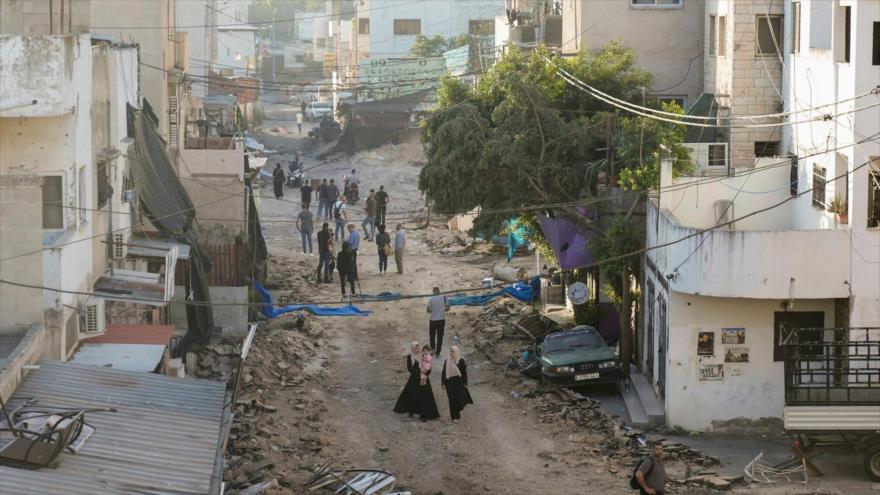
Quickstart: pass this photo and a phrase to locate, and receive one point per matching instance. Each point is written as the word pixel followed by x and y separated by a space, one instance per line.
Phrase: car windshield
pixel 575 340
pixel 320 105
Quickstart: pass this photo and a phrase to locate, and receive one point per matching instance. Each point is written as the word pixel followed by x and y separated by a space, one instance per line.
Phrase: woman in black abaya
pixel 408 402
pixel 454 380
pixel 278 181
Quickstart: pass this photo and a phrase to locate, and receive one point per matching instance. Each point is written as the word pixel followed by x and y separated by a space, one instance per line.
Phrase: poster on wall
pixel 733 336
pixel 736 355
pixel 706 344
pixel 711 372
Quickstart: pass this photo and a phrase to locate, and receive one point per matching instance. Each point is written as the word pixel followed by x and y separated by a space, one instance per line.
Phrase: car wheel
pixel 872 462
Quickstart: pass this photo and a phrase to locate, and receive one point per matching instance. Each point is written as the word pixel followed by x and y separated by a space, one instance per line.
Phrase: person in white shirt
pixel 437 306
pixel 299 122
pixel 399 244
pixel 340 217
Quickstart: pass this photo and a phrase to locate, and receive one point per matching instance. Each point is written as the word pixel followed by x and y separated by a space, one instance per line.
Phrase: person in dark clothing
pixel 305 192
pixel 323 205
pixel 302 107
pixel 427 406
pixel 325 253
pixel 650 473
pixel 408 402
pixel 346 264
pixel 455 380
pixel 278 181
pixel 332 192
pixel 383 245
pixel 382 201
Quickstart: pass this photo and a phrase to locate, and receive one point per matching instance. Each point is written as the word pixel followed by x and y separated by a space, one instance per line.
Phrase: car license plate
pixel 588 376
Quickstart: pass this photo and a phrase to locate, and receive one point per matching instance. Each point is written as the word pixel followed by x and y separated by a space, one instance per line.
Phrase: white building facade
pixel 719 303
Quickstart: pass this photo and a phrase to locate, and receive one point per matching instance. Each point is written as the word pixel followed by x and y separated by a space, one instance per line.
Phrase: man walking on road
pixel 346 263
pixel 304 222
pixel 325 253
pixel 399 245
pixel 323 206
pixel 437 306
pixel 382 201
pixel 299 122
pixel 650 475
pixel 340 217
pixel 305 192
pixel 370 209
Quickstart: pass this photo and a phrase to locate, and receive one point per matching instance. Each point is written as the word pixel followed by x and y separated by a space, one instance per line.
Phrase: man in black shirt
pixel 323 205
pixel 306 193
pixel 346 263
pixel 325 253
pixel 382 201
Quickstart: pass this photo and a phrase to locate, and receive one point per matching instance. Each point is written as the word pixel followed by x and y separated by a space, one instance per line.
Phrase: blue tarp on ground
pixel 382 296
pixel 270 311
pixel 519 290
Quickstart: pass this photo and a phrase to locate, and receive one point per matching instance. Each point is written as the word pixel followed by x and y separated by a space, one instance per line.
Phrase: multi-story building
pixel 667 35
pixel 379 32
pixel 163 53
pixel 62 140
pixel 742 77
pixel 736 263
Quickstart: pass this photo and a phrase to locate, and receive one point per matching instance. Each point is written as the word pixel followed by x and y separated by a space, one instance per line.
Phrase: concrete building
pixel 390 32
pixel 831 57
pixel 62 169
pixel 668 37
pixel 742 76
pixel 719 304
pixel 163 53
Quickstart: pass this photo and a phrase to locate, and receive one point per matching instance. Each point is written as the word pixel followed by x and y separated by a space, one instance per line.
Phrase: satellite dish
pixel 577 293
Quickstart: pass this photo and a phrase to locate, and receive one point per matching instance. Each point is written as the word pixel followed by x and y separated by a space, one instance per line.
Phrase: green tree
pixel 523 136
pixel 425 47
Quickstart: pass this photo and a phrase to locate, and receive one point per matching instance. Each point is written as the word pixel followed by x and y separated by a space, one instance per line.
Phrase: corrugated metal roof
pixel 156 248
pixel 143 358
pixel 134 334
pixel 164 439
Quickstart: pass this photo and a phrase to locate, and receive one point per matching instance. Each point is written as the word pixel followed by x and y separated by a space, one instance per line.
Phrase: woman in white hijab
pixel 408 402
pixel 454 380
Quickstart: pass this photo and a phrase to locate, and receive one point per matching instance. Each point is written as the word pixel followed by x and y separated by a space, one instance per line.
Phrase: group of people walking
pixel 417 397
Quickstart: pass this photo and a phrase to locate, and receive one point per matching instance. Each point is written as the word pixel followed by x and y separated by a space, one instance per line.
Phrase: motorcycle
pixel 296 176
pixel 351 193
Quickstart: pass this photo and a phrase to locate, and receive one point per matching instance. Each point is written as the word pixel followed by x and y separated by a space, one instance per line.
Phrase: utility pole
pixel 272 51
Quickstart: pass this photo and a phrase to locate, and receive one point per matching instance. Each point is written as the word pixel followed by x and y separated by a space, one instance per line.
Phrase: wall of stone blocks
pixel 21 231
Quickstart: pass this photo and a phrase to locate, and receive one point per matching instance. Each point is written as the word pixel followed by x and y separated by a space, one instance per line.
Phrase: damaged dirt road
pixel 340 410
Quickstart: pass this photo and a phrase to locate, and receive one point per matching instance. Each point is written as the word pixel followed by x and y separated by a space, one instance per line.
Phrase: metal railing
pixel 832 366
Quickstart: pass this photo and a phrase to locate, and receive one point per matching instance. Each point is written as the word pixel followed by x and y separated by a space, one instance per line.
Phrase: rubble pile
pixel 269 433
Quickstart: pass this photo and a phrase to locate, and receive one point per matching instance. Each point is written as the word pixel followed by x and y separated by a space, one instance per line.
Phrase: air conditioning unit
pixel 92 317
pixel 724 213
pixel 553 30
pixel 120 246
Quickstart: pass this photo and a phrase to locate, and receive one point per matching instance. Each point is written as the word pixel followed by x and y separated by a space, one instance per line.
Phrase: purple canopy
pixel 568 240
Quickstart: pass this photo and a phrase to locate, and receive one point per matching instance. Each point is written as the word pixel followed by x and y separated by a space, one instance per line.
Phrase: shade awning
pixel 705 106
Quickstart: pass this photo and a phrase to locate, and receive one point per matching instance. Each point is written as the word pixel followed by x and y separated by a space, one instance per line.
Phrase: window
pixel 875 53
pixel 83 204
pixel 53 211
pixel 819 186
pixel 786 321
pixel 842 32
pixel 407 26
pixel 103 184
pixel 712 39
pixel 722 36
pixel 481 27
pixel 874 192
pixel 796 28
pixel 364 25
pixel 717 155
pixel 768 33
pixel 656 3
pixel 766 148
pixel 794 176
